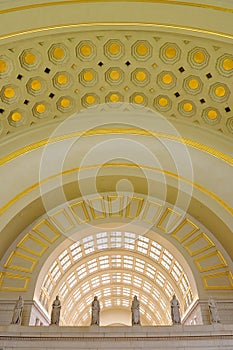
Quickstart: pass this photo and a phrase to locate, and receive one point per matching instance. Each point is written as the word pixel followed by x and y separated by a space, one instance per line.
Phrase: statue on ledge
pixel 56 308
pixel 175 310
pixel 213 310
pixel 18 311
pixel 95 312
pixel 135 309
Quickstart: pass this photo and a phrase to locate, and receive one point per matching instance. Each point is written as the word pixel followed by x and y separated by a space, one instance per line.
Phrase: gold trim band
pixel 72 2
pixel 108 131
pixel 107 24
pixel 168 173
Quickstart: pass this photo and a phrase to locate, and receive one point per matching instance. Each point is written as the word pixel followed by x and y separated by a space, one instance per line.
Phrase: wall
pixel 109 338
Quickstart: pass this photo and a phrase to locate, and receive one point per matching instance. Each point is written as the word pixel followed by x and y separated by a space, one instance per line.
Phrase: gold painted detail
pixel 107 131
pixel 115 205
pixel 138 99
pixel 167 78
pixel 175 176
pixel 170 52
pixel 35 85
pixel 29 58
pixel 86 50
pixel 140 76
pixel 199 57
pixel 193 84
pixel 62 79
pixel 163 101
pixel 219 280
pixel 97 207
pixel 199 244
pixel 47 231
pixel 114 48
pixel 10 282
pixel 80 212
pixel 20 262
pixel 32 245
pixel 90 99
pixel 169 2
pixel 16 116
pixel 79 56
pixel 114 75
pixel 40 108
pixel 142 49
pixel 3 66
pixel 212 114
pixel 211 261
pixel 62 220
pixel 227 64
pixel 167 221
pixel 88 75
pixel 58 53
pixel 184 230
pixel 114 97
pixel 220 91
pixel 65 102
pixel 188 107
pixel 65 220
pixel 151 212
pixel 134 207
pixel 9 92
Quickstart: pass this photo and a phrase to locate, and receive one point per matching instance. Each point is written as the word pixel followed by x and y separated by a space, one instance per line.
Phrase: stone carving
pixel 56 308
pixel 95 312
pixel 135 309
pixel 213 310
pixel 175 310
pixel 18 311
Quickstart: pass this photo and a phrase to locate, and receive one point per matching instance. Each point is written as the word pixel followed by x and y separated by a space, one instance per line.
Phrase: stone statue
pixel 135 309
pixel 56 308
pixel 175 310
pixel 213 310
pixel 18 311
pixel 95 312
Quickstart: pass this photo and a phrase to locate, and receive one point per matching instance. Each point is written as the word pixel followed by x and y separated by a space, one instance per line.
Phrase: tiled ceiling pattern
pixel 52 77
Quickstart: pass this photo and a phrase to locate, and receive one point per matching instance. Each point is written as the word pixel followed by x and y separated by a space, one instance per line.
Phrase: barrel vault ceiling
pixel 172 59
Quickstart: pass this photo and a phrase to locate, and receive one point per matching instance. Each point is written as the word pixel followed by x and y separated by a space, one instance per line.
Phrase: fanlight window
pixel 119 266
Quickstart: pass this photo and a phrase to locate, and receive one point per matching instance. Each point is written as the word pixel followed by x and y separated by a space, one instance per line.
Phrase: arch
pixel 122 261
pixel 120 124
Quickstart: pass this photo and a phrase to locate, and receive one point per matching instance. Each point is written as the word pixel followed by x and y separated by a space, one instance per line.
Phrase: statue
pixel 213 310
pixel 135 311
pixel 18 311
pixel 95 309
pixel 56 308
pixel 175 310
